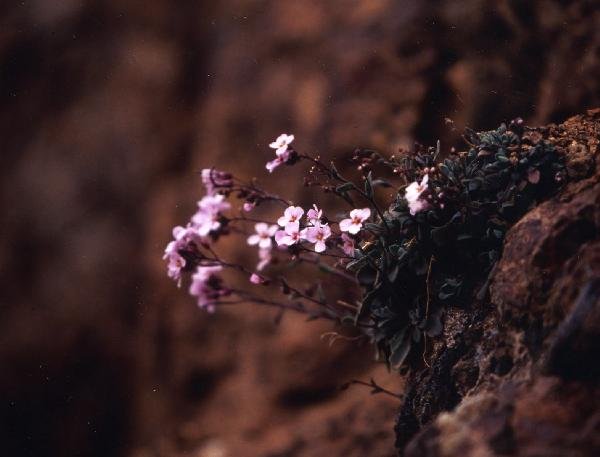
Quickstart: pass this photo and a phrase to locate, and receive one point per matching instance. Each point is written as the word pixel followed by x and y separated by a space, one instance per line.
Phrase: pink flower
pixel 263 235
pixel 281 144
pixel 183 237
pixel 207 286
pixel 317 235
pixel 291 214
pixel 289 236
pixel 257 279
pixel 265 258
pixel 419 205
pixel 206 218
pixel 413 194
pixel 348 245
pixel 248 206
pixel 207 181
pixel 279 160
pixel 314 215
pixel 354 224
pixel 214 204
pixel 176 262
pixel 213 179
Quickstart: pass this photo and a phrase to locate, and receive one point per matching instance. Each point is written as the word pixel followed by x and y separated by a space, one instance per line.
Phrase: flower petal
pixel 354 229
pixel 345 225
pixel 279 236
pixel 253 239
pixel 265 243
pixel 261 228
pixel 320 246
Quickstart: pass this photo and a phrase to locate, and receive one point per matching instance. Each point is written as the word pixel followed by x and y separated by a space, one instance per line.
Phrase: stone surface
pixel 519 375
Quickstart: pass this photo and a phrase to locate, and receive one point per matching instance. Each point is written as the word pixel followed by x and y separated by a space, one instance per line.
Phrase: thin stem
pixel 376 388
pixel 431 259
pixel 304 249
pixel 282 281
pixel 249 219
pixel 329 268
pixel 338 177
pixel 292 306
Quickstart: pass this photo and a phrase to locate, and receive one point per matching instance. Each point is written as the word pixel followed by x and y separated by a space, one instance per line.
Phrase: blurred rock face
pixel 107 110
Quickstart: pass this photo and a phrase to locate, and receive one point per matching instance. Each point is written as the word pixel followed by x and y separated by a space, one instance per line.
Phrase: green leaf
pixel 397 251
pixel 366 276
pixel 344 187
pixel 416 335
pixel 433 325
pixel 320 294
pixel 376 228
pixel 473 184
pixel 393 273
pixel 443 235
pixel 356 264
pixel 380 183
pixel 335 171
pixel 445 171
pixel 369 185
pixel 368 302
pixel 399 348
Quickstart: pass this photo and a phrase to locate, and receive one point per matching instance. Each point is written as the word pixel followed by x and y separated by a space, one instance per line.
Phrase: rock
pixel 521 378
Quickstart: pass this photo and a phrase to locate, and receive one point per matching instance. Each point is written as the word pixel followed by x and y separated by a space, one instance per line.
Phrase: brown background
pixel 108 109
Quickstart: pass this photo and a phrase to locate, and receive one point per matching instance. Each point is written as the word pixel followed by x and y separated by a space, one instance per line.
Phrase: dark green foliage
pixel 416 266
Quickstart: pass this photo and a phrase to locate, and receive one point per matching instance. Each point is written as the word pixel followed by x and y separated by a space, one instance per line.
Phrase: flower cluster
pixel 183 253
pixel 405 260
pixel 207 286
pixel 283 152
pixel 297 235
pixel 315 230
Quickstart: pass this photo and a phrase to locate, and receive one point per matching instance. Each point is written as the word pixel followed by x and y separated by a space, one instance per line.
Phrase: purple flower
pixel 206 285
pixel 257 279
pixel 183 238
pixel 214 204
pixel 354 223
pixel 317 235
pixel 263 235
pixel 413 194
pixel 213 179
pixel 348 245
pixel 291 214
pixel 289 236
pixel 206 218
pixel 175 262
pixel 314 215
pixel 279 160
pixel 281 144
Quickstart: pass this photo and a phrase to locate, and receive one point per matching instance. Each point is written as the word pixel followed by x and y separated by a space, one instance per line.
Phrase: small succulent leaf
pixel 344 187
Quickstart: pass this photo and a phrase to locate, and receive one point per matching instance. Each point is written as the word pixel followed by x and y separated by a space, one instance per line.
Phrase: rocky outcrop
pixel 517 372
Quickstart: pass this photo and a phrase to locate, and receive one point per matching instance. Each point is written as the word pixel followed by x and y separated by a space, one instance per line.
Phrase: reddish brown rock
pixel 523 368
